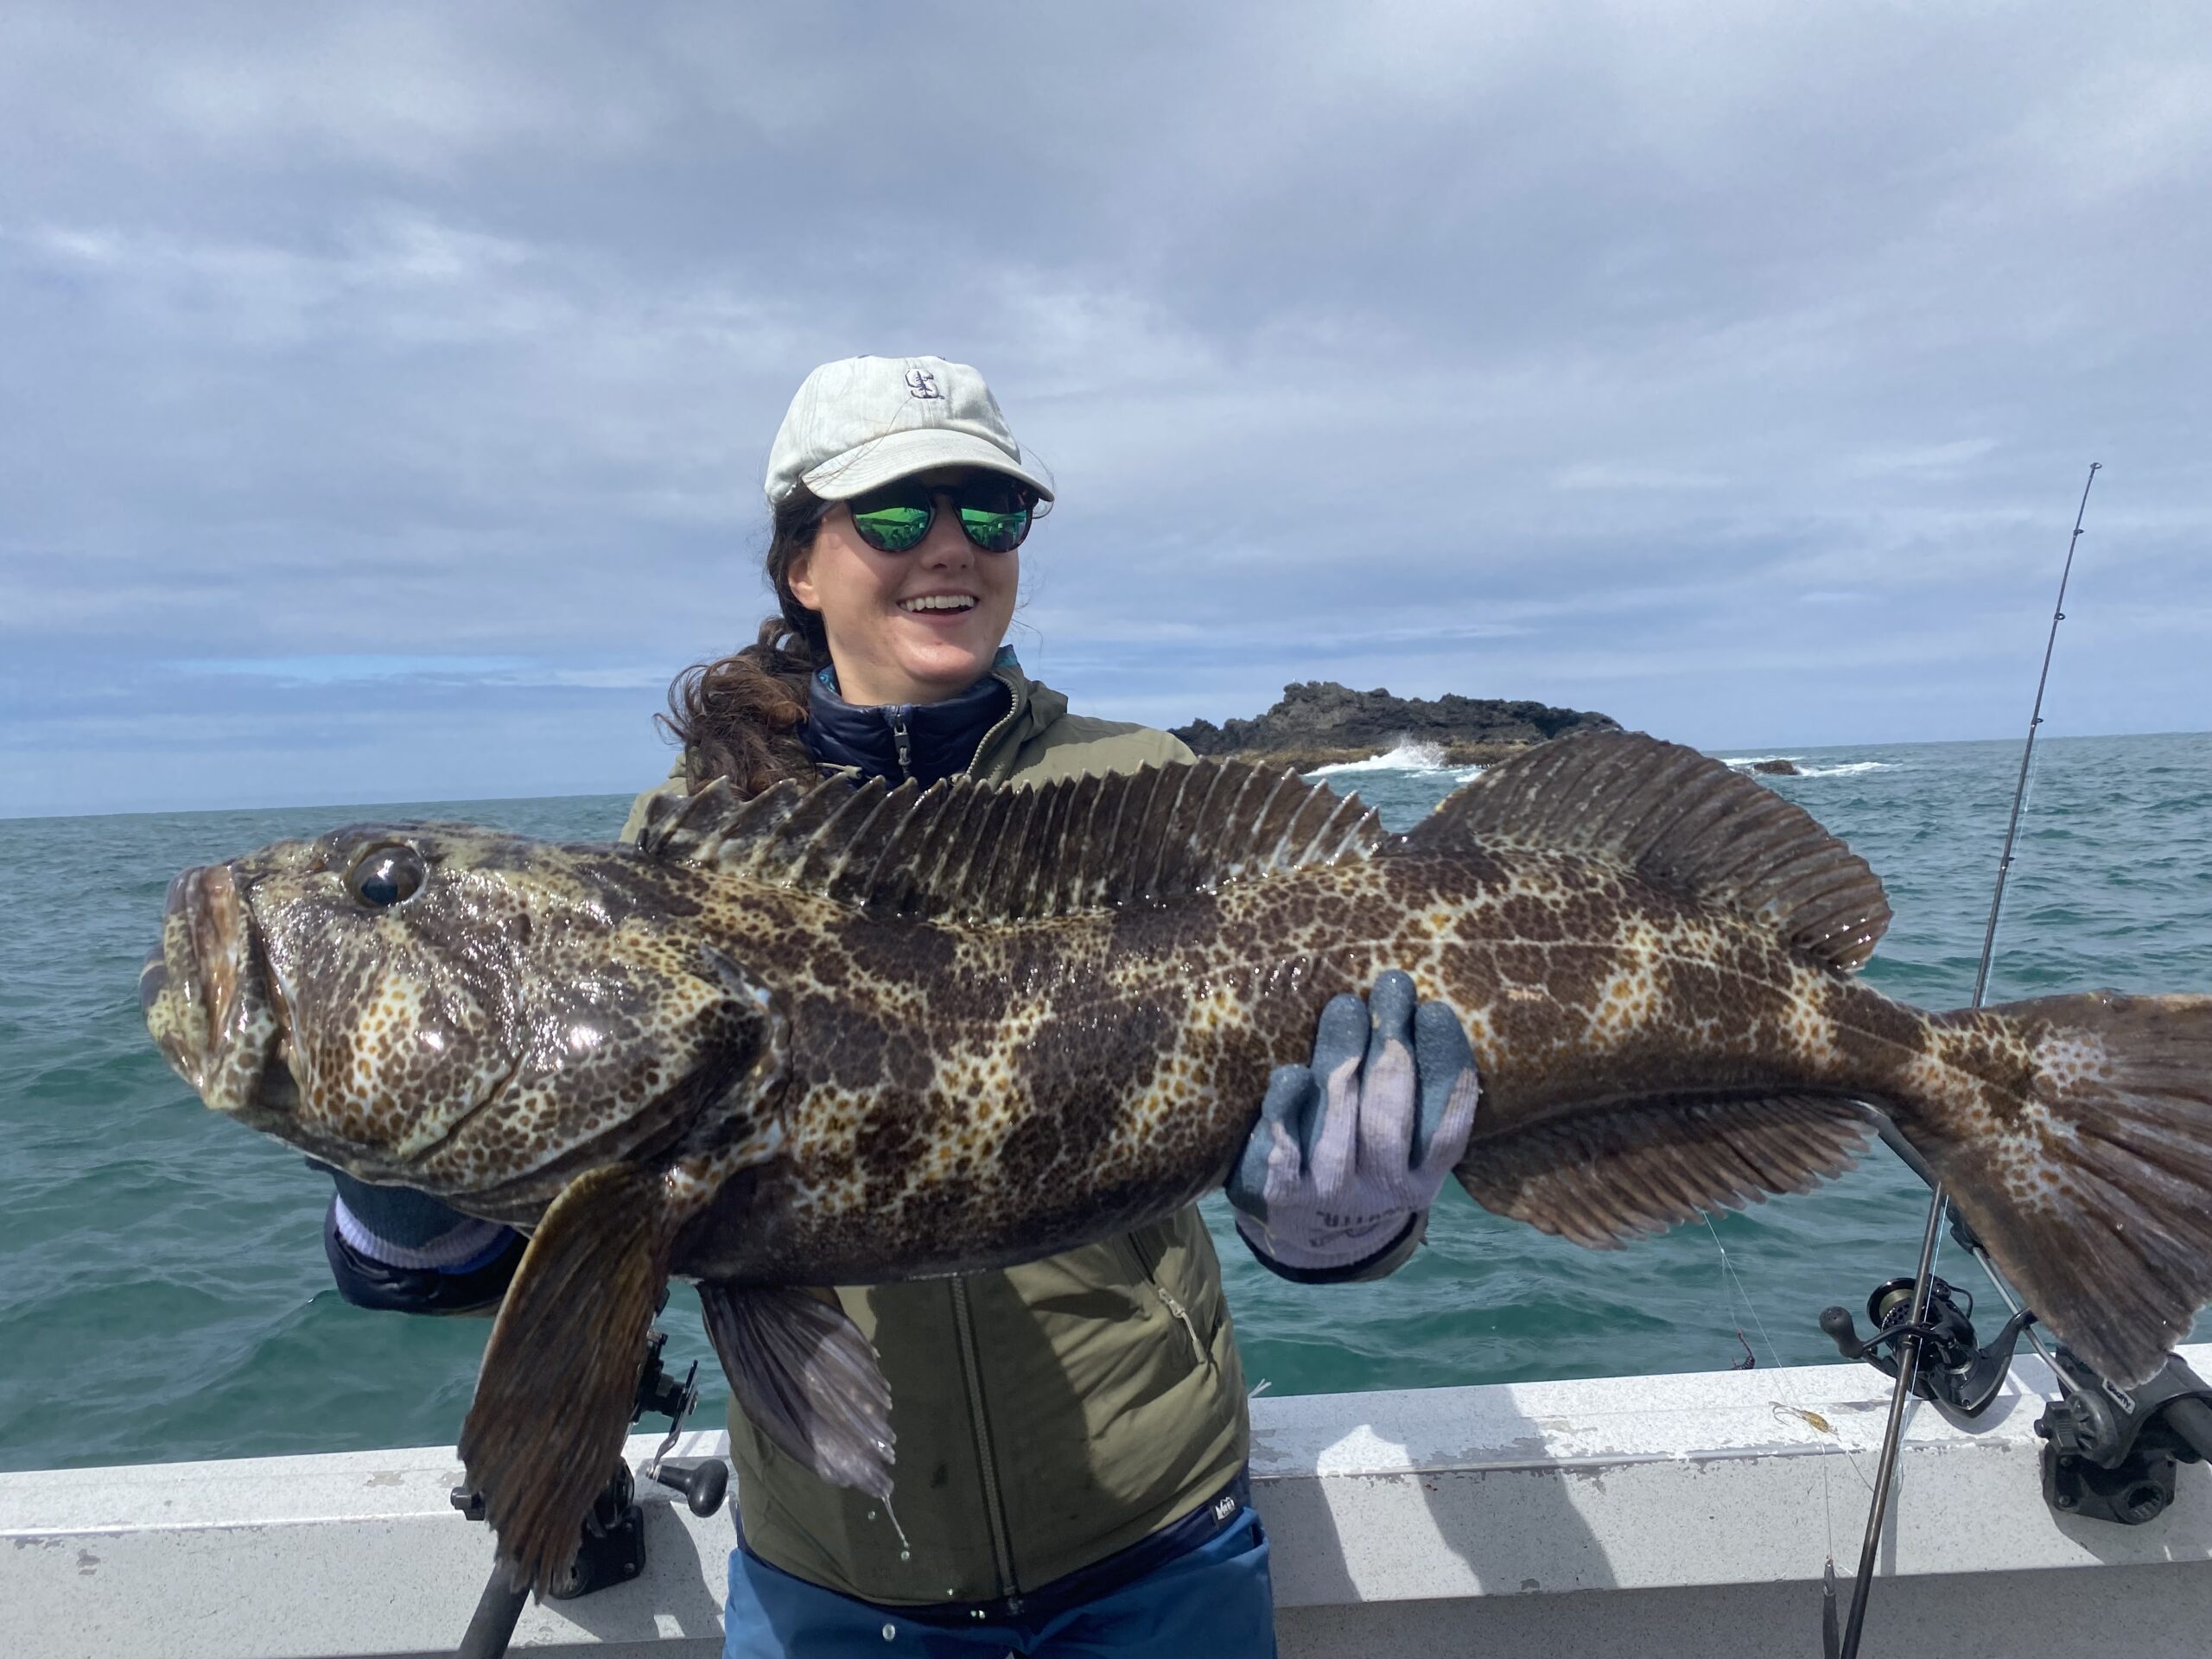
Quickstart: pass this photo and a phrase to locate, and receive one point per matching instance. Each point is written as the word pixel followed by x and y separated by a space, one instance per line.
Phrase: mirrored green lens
pixel 893 530
pixel 995 532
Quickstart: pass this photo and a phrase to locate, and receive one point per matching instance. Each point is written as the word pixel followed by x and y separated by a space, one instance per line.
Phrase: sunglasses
pixel 994 513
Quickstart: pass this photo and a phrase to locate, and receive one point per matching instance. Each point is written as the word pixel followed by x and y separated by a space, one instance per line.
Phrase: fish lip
pixel 172 995
pixel 206 995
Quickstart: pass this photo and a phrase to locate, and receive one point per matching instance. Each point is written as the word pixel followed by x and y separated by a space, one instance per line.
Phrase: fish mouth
pixel 208 1000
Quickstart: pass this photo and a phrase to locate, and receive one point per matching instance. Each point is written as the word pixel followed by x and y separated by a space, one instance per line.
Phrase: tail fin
pixel 2086 1163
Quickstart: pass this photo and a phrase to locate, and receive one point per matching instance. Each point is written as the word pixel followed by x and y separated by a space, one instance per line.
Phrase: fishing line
pixel 1790 1402
pixel 1733 1288
pixel 1909 1348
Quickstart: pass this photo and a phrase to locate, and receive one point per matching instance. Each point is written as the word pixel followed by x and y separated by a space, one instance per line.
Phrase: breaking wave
pixel 1419 757
pixel 1409 756
pixel 1841 769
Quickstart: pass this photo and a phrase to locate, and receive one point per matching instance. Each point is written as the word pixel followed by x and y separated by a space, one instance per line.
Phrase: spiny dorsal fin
pixel 1682 820
pixel 985 852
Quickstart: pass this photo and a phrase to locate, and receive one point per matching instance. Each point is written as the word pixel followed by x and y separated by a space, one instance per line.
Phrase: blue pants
pixel 1214 1600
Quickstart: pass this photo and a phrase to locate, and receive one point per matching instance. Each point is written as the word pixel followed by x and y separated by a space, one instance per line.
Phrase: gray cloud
pixel 1732 372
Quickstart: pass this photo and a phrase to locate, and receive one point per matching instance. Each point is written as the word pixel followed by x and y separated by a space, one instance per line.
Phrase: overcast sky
pixel 384 391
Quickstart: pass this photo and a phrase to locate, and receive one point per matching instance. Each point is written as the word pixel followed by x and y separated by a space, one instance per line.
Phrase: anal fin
pixel 560 1375
pixel 1638 1167
pixel 805 1375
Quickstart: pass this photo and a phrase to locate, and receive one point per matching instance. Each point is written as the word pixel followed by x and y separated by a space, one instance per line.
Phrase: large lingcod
pixel 834 1035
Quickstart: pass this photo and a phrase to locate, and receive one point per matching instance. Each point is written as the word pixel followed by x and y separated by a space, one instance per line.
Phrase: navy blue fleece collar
pixel 938 740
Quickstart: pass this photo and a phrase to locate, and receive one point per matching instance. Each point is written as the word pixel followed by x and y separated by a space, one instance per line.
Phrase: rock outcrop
pixel 1774 768
pixel 1322 723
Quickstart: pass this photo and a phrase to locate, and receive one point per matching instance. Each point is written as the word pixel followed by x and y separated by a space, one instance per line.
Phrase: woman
pixel 1071 1432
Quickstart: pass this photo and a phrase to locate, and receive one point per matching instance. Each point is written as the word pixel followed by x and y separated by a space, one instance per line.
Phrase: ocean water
pixel 164 1295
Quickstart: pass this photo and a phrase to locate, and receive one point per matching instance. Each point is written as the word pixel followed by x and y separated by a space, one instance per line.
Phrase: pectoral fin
pixel 804 1373
pixel 560 1374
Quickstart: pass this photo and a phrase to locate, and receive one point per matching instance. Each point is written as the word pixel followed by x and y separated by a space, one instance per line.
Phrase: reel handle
pixel 1843 1330
pixel 703 1484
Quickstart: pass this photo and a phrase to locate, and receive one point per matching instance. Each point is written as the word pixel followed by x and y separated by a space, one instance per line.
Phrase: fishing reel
pixel 612 1547
pixel 1950 1371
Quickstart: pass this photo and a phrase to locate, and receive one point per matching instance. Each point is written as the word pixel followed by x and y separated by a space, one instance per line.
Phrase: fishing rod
pixel 1915 1327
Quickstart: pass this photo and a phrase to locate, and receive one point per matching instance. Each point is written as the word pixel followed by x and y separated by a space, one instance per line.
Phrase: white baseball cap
pixel 861 423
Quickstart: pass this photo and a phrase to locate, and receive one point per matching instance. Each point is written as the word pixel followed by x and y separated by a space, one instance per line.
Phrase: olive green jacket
pixel 1046 1415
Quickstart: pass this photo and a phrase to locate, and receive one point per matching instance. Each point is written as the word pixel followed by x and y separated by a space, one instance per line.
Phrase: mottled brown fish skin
pixel 963 1096
pixel 958 1095
pixel 827 1090
pixel 951 1094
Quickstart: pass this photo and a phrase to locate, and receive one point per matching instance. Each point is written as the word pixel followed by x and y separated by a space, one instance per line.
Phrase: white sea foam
pixel 1407 756
pixel 1412 755
pixel 1841 769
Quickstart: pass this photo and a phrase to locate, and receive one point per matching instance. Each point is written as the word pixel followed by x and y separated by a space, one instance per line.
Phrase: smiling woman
pixel 914 603
pixel 883 602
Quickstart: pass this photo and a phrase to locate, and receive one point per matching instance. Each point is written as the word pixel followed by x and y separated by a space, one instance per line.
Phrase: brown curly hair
pixel 738 717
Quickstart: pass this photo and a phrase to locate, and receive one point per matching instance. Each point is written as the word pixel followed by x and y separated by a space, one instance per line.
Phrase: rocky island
pixel 1320 723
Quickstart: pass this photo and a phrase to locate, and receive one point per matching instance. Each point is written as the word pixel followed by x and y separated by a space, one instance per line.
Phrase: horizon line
pixel 1763 751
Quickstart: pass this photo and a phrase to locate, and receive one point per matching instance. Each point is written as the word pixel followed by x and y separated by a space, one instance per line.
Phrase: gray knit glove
pixel 1350 1153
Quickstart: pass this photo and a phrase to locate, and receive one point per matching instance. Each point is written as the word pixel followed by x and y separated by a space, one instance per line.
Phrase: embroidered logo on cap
pixel 921 383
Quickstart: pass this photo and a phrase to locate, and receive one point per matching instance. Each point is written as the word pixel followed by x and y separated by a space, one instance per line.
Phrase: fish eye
pixel 384 877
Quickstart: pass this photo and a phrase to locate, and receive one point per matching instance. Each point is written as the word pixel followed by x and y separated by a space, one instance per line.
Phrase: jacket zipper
pixel 1204 1355
pixel 975 767
pixel 971 1359
pixel 995 1511
pixel 898 717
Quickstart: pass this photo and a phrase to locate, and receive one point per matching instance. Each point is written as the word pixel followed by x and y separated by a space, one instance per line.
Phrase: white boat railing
pixel 1625 1516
